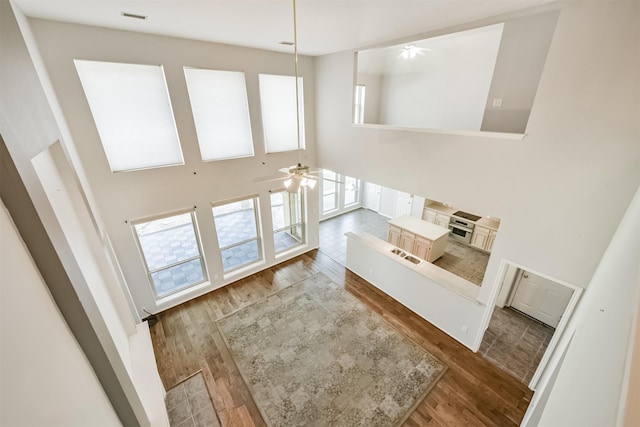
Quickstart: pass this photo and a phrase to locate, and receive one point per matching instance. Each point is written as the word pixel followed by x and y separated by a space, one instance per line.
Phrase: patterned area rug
pixel 312 354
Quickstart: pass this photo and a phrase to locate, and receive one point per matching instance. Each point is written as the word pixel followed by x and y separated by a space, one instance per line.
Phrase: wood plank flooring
pixel 472 392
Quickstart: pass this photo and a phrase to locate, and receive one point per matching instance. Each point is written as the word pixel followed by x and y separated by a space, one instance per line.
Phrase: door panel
pixel 540 298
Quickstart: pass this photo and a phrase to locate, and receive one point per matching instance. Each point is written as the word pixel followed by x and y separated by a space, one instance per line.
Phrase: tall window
pixel 351 191
pixel 329 191
pixel 287 212
pixel 171 251
pixel 278 102
pixel 238 237
pixel 220 112
pixel 358 104
pixel 132 112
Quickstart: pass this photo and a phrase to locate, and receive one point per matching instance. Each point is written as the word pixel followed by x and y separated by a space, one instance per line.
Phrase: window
pixel 237 229
pixel 132 111
pixel 220 112
pixel 278 102
pixel 171 251
pixel 351 191
pixel 358 105
pixel 329 191
pixel 288 220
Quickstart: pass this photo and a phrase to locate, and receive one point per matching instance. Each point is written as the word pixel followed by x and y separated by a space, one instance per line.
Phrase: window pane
pixel 278 211
pixel 278 102
pixel 220 112
pixel 351 190
pixel 240 255
pixel 132 111
pixel 167 241
pixel 178 277
pixel 286 239
pixel 238 239
pixel 329 190
pixel 171 250
pixel 287 217
pixel 235 222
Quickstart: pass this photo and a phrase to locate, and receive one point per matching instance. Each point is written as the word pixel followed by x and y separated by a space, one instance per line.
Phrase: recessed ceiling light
pixel 286 43
pixel 133 15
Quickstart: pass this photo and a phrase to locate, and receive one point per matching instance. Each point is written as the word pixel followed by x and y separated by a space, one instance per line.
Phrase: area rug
pixel 312 354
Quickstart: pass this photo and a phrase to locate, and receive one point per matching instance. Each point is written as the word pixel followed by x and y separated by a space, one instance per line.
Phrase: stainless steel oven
pixel 461 226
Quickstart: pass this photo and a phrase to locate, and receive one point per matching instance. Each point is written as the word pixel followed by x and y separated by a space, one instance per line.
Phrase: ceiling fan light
pixel 292 185
pixel 311 183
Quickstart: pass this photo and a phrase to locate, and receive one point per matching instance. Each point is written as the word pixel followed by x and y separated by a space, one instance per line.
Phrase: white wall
pixel 46 379
pixel 132 195
pixel 561 191
pixel 30 123
pixel 591 384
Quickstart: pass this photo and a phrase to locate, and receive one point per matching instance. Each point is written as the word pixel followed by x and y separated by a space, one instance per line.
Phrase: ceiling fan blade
pixel 271 178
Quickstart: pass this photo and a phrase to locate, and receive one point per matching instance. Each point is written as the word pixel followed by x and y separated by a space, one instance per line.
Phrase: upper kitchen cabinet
pixel 481 79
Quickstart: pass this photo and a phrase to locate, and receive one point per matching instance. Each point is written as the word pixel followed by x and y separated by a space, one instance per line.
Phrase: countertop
pixel 420 227
pixel 493 223
pixel 456 284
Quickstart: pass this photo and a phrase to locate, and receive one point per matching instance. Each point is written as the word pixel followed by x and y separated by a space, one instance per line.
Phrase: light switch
pixel 497 102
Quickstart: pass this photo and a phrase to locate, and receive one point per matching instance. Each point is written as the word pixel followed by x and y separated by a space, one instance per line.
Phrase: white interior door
pixel 372 197
pixel 403 204
pixel 540 298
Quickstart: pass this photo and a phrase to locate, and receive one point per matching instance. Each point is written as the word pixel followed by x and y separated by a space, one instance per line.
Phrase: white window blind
pixel 278 102
pixel 220 112
pixel 132 111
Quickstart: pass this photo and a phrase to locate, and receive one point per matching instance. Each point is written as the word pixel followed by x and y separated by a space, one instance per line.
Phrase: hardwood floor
pixel 472 392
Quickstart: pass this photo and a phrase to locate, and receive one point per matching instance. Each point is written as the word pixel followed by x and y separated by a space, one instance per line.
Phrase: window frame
pixel 357 185
pixel 300 130
pixel 336 192
pixel 112 148
pixel 258 238
pixel 358 103
pixel 194 224
pixel 203 144
pixel 302 223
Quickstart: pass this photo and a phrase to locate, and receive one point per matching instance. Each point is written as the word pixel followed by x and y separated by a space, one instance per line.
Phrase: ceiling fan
pixel 411 51
pixel 298 176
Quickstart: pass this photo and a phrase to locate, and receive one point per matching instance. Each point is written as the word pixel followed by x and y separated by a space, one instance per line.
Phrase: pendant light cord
pixel 295 54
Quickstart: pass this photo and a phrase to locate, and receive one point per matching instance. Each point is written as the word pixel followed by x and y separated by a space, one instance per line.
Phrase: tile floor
pixel 515 343
pixel 459 259
pixel 332 239
pixel 464 261
pixel 189 404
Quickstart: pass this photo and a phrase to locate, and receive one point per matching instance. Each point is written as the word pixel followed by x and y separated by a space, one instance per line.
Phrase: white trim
pixel 473 133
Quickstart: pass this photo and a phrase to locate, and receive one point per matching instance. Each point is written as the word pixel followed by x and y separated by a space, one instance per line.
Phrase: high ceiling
pixel 324 26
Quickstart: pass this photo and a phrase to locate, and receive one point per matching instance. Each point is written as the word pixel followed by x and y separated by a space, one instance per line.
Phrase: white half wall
pixel 46 379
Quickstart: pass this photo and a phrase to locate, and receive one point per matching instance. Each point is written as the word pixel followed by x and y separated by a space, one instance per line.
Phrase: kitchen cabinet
pixel 394 235
pixel 407 241
pixel 421 238
pixel 483 238
pixel 436 217
pixel 422 248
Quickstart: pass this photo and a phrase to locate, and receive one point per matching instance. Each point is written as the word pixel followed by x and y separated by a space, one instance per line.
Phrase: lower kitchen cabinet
pixel 394 235
pixel 483 238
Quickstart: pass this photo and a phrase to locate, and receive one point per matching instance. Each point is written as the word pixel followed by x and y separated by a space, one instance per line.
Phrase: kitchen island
pixel 423 239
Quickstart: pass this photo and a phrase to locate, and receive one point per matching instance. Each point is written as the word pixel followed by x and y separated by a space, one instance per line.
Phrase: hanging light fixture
pixel 299 174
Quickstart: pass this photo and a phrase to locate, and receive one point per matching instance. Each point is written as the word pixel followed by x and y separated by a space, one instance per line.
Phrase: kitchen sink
pixel 413 259
pixel 403 254
pixel 399 252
